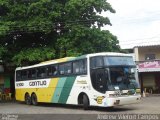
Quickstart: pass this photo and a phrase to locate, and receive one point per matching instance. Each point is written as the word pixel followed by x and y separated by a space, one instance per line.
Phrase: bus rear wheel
pixel 34 99
pixel 27 99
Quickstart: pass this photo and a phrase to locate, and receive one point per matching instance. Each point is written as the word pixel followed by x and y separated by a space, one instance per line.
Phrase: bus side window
pixel 24 75
pixel 80 67
pixel 83 66
pixel 49 71
pixel 96 62
pixel 54 70
pixel 61 69
pixel 18 75
pixel 65 68
pixel 29 73
pixel 41 72
pixel 33 74
pixel 76 67
pixel 68 68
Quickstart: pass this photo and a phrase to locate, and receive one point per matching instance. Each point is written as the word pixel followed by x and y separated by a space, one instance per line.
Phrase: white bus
pixel 99 79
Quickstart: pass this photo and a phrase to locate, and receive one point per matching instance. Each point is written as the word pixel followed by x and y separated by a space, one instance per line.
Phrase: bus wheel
pixel 34 99
pixel 85 102
pixel 27 99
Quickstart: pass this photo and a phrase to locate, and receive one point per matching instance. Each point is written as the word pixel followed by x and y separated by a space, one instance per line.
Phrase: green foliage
pixel 36 30
pixel 33 55
pixel 3 51
pixel 82 40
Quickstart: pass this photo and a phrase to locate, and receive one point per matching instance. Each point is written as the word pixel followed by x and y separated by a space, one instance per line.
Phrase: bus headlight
pixel 114 95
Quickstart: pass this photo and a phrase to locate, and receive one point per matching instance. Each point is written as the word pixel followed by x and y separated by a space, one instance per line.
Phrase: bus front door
pixel 99 79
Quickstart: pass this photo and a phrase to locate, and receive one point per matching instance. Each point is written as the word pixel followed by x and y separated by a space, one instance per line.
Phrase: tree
pixel 36 30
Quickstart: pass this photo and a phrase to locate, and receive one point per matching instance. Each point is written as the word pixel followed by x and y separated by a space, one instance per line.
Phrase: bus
pixel 104 79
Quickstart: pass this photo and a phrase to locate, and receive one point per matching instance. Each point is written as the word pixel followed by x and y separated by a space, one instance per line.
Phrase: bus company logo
pixel 38 83
pixel 99 99
pixel 81 82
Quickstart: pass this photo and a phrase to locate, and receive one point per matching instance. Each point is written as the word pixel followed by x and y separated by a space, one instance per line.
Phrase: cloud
pixel 135 20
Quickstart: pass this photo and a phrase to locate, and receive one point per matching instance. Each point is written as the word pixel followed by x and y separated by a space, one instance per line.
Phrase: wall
pixel 141 51
pixel 149 80
pixel 4 83
pixel 136 54
pixel 149 50
pixel 1 79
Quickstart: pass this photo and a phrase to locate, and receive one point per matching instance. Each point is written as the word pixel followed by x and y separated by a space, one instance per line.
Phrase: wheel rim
pixel 27 99
pixel 34 99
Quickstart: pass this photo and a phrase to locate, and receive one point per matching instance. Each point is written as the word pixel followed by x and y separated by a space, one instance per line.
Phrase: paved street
pixel 148 105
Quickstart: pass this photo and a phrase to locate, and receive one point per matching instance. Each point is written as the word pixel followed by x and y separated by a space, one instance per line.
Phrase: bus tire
pixel 34 99
pixel 85 102
pixel 27 99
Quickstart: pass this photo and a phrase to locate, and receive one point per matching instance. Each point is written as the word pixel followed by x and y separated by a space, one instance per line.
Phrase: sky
pixel 136 22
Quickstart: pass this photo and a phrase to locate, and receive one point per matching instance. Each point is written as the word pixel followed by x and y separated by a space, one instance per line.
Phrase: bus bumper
pixel 123 100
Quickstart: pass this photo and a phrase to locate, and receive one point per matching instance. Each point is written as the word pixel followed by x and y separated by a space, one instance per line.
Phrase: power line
pixel 136 18
pixel 142 38
pixel 142 42
pixel 75 21
pixel 142 20
pixel 55 24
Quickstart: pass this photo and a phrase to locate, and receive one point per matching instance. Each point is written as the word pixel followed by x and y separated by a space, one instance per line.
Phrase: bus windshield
pixel 113 72
pixel 118 60
pixel 123 78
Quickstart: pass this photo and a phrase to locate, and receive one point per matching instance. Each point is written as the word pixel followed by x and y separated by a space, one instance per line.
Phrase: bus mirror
pixel 132 70
pixel 106 71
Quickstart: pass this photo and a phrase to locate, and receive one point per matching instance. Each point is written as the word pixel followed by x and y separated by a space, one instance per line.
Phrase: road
pixel 148 105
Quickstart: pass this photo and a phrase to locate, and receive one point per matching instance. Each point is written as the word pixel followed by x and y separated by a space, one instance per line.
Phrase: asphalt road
pixel 148 105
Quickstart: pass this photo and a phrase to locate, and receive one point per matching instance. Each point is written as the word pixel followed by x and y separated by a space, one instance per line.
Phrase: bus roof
pixel 48 62
pixel 73 58
pixel 108 54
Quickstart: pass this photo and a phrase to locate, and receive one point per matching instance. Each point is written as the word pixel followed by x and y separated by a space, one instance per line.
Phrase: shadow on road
pixel 101 109
pixel 78 107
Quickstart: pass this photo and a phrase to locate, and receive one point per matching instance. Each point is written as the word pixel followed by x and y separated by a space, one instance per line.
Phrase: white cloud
pixel 135 20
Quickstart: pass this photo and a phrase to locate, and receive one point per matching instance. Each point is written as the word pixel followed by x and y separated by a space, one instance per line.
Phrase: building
pixel 6 80
pixel 147 58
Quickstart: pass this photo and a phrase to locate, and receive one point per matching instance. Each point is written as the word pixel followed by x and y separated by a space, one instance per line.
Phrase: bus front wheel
pixel 34 99
pixel 85 102
pixel 27 99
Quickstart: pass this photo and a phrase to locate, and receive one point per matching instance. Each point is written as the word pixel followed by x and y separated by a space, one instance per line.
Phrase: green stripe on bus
pixel 66 89
pixel 58 90
pixel 77 58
